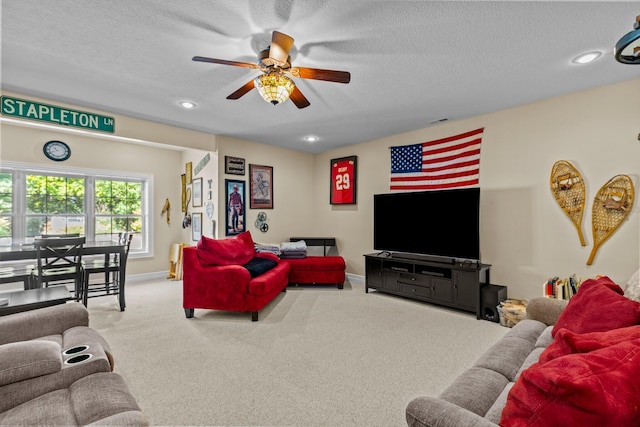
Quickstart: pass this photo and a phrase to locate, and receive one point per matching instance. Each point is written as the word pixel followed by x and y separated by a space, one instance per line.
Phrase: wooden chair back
pixel 59 259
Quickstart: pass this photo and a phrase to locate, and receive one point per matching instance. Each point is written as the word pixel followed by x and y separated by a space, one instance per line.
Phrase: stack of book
pixel 558 288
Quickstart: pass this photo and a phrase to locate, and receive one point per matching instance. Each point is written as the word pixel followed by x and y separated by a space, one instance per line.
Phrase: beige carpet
pixel 319 356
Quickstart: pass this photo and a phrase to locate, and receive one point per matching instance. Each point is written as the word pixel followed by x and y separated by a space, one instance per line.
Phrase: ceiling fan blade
pixel 281 44
pixel 298 98
pixel 320 74
pixel 225 62
pixel 243 90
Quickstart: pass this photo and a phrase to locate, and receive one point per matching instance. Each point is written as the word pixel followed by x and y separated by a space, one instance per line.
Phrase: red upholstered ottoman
pixel 317 270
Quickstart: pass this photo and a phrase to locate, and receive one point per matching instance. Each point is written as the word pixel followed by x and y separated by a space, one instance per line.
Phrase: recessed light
pixel 585 58
pixel 187 104
pixel 311 138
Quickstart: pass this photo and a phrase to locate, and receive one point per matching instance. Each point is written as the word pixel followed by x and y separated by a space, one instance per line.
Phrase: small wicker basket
pixel 512 311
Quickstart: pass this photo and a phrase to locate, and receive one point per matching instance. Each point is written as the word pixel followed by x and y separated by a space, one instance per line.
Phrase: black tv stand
pixel 450 283
pixel 419 257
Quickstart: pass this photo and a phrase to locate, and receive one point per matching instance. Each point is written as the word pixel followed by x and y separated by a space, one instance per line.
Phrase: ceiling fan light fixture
pixel 274 87
pixel 627 50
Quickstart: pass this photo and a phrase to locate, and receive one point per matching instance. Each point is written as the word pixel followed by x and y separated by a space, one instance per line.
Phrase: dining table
pixel 32 299
pixel 27 251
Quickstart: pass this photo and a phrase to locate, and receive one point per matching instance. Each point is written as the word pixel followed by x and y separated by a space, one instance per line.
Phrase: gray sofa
pixel 478 396
pixel 56 370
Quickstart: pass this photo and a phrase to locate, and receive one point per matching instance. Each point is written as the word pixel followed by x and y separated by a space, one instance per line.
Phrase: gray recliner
pixel 56 370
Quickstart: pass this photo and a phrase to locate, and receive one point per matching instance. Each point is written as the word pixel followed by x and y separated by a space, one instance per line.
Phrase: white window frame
pixel 20 170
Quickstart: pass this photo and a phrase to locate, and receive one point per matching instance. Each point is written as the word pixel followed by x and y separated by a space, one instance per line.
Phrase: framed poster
pixel 235 217
pixel 233 165
pixel 196 226
pixel 261 179
pixel 343 180
pixel 196 190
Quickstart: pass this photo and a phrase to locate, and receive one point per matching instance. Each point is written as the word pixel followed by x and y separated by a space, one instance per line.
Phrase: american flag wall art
pixel 447 163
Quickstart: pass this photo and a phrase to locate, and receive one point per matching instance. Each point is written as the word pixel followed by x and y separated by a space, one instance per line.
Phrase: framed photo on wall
pixel 197 192
pixel 261 179
pixel 235 212
pixel 343 180
pixel 196 226
pixel 233 165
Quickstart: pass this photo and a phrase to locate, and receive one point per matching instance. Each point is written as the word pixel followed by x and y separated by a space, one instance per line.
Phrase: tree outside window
pixel 94 204
pixel 118 208
pixel 55 205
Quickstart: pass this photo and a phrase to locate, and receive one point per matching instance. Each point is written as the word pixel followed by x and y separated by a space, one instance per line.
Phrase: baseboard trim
pixel 352 278
pixel 147 276
pixel 355 279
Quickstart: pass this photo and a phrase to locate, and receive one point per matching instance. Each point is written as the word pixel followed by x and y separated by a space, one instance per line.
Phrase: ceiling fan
pixel 274 85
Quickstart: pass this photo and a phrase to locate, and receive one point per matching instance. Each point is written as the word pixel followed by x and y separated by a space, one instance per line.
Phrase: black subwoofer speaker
pixel 490 297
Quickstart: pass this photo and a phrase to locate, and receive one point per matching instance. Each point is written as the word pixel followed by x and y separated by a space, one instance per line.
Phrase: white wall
pixel 524 233
pixel 293 189
pixel 208 172
pixel 160 155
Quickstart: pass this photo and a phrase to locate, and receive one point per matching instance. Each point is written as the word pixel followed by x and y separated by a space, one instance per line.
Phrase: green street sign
pixel 58 115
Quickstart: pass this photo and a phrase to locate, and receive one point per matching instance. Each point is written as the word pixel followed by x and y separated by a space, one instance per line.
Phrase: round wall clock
pixel 56 150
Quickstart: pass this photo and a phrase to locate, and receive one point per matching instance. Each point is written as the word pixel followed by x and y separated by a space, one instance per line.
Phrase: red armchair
pixel 228 274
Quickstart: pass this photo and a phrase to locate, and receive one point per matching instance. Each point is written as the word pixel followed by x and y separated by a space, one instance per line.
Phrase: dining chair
pixel 59 262
pixel 108 268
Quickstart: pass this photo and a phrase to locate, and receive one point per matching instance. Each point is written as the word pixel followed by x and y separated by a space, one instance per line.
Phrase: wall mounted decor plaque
pixel 183 179
pixel 233 165
pixel 611 206
pixel 201 164
pixel 261 222
pixel 568 188
pixel 189 172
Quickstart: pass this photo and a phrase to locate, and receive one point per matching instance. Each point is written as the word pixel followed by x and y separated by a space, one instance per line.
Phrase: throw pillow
pixel 568 342
pixel 237 250
pixel 632 290
pixel 591 389
pixel 599 305
pixel 258 266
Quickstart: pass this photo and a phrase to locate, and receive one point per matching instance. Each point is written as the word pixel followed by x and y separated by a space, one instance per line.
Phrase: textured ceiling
pixel 411 62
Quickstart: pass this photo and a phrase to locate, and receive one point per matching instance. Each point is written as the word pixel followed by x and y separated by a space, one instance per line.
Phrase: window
pixel 55 205
pixel 118 208
pixel 6 206
pixel 95 204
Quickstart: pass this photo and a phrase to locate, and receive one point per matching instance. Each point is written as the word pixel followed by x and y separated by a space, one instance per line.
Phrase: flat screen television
pixel 444 223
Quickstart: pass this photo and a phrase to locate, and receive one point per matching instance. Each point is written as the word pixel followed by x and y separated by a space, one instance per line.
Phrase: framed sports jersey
pixel 343 180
